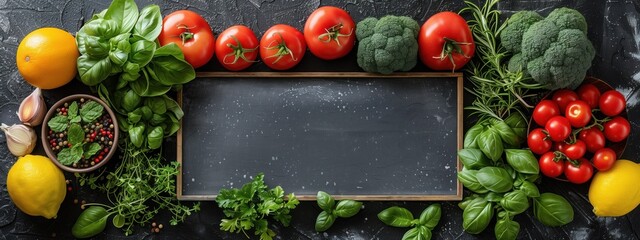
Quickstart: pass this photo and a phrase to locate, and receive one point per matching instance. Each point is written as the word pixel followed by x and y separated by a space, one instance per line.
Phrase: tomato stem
pixel 238 52
pixel 333 33
pixel 450 47
pixel 283 50
pixel 187 34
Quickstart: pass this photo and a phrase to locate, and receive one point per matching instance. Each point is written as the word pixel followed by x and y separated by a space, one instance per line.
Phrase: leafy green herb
pixel 495 179
pixel 91 221
pixel 507 229
pixel 58 123
pixel 72 111
pixel 477 215
pixel 248 207
pixel 422 227
pixel 75 134
pixel 552 210
pixel 91 111
pixel 523 161
pixel 331 211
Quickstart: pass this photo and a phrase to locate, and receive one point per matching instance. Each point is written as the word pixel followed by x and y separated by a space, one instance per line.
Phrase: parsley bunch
pixel 246 208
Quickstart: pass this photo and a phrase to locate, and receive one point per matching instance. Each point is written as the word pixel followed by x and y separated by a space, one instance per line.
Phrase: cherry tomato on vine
pixel 329 33
pixel 282 47
pixel 191 33
pixel 617 129
pixel 593 138
pixel 578 173
pixel 538 141
pixel 559 128
pixel 578 113
pixel 563 97
pixel 575 150
pixel 559 146
pixel 551 166
pixel 237 48
pixel 612 103
pixel 590 94
pixel 545 110
pixel 445 42
pixel 604 159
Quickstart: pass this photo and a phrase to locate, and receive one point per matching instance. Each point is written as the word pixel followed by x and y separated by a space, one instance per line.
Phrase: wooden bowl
pixel 45 130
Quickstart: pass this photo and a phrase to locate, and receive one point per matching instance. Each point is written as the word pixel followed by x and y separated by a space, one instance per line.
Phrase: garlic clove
pixel 32 109
pixel 21 139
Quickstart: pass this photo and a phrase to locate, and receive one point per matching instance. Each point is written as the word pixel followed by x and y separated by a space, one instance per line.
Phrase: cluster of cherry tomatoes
pixel 576 126
pixel 329 33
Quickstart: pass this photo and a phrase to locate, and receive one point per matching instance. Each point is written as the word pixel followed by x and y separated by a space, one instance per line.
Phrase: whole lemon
pixel 47 58
pixel 616 192
pixel 36 186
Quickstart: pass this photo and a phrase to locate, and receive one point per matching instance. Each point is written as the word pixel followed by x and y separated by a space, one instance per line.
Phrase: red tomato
pixel 590 94
pixel 282 47
pixel 329 33
pixel 604 159
pixel 612 103
pixel 551 166
pixel 579 173
pixel 236 48
pixel 563 97
pixel 191 33
pixel 445 42
pixel 538 141
pixel 559 146
pixel 617 129
pixel 578 113
pixel 559 128
pixel 545 110
pixel 576 150
pixel 593 138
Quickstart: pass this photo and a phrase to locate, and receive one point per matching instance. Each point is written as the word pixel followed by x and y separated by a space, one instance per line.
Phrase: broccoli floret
pixel 511 35
pixel 388 44
pixel 517 63
pixel 556 50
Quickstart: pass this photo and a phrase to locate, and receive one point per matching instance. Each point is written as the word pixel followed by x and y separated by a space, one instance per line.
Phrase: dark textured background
pixel 613 29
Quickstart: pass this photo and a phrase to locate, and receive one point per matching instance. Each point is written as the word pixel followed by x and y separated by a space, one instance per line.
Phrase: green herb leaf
pixel 495 179
pixel 477 215
pixel 515 202
pixel 93 71
pixel 325 201
pixel 396 217
pixel 490 143
pixel 469 180
pixel 154 138
pixel 91 221
pixel 58 123
pixel 141 53
pixel 66 157
pixel 149 23
pixel 471 136
pixel 530 189
pixel 173 107
pixel 136 135
pixel 523 161
pixel 118 221
pixel 473 159
pixel 91 150
pixel 552 210
pixel 91 111
pixel 76 119
pixel 120 54
pixel 131 101
pixel 146 113
pixel 157 119
pixel 507 229
pixel 72 112
pixel 324 221
pixel 75 134
pixel 156 104
pixel 494 197
pixel 347 208
pixel 466 201
pixel 431 216
pixel 518 124
pixel 135 116
pixel 506 133
pixel 417 233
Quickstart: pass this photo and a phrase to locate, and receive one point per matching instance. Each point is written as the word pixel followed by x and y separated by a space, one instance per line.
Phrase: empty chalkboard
pixel 354 135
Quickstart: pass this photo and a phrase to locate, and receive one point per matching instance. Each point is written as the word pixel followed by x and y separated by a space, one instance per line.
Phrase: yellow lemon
pixel 36 186
pixel 616 192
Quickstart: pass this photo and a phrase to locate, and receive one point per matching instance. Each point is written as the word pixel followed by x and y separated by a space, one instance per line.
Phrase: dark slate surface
pixel 613 30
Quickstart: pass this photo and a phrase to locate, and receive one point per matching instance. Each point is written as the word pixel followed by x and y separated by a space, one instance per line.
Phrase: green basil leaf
pixel 473 159
pixel 149 23
pixel 91 150
pixel 477 215
pixel 118 221
pixel 81 41
pixel 170 49
pixel 523 161
pixel 494 197
pixel 172 128
pixel 157 119
pixel 495 179
pixel 91 111
pixel 76 119
pixel 552 210
pixel 120 54
pixel 347 208
pixel 136 135
pixel 130 16
pixel 154 138
pixel 490 143
pixel 466 201
pixel 396 217
pixel 131 100
pixel 469 180
pixel 324 221
pixel 123 123
pixel 471 136
pixel 146 113
pixel 75 134
pixel 107 28
pixel 530 189
pixel 515 202
pixel 135 116
pixel 142 52
pixel 169 70
pixel 156 104
pixel 91 221
pixel 72 112
pixel 147 87
pixel 506 133
pixel 173 106
pixel 58 123
pixel 67 157
pixel 507 229
pixel 518 124
pixel 93 71
pixel 431 216
pixel 417 233
pixel 325 201
pixel 95 47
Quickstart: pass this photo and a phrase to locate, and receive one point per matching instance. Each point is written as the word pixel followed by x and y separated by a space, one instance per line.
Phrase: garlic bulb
pixel 21 139
pixel 32 109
